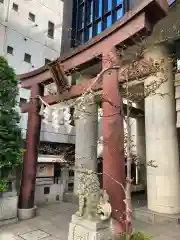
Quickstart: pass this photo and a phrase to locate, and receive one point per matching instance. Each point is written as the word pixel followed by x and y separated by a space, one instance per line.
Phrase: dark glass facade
pixel 90 17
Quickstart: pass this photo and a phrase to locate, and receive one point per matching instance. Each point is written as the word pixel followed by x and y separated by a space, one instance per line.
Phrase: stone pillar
pixel 65 178
pixel 163 179
pixel 113 140
pixel 86 139
pixel 26 208
pixel 141 143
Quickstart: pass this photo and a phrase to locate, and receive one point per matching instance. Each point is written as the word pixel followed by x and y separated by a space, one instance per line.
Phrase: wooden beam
pixel 36 79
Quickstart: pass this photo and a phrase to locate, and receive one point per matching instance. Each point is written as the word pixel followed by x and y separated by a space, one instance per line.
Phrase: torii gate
pixel 84 56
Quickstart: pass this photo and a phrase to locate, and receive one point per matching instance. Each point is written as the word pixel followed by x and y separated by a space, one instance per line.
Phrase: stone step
pixel 145 215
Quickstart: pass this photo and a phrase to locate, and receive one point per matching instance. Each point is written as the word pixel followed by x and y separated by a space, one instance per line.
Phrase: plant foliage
pixel 10 132
pixel 135 236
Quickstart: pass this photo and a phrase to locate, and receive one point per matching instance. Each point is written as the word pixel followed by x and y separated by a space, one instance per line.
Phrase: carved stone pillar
pixel 86 139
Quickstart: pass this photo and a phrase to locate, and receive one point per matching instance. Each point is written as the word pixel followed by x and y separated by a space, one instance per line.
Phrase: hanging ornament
pixel 57 118
pixel 47 114
pixel 41 110
pixel 67 119
pixel 68 127
pixel 67 115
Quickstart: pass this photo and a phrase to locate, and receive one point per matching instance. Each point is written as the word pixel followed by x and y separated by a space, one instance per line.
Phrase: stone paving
pixel 52 223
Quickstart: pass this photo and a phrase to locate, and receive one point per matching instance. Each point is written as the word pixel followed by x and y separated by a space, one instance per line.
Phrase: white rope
pixel 46 104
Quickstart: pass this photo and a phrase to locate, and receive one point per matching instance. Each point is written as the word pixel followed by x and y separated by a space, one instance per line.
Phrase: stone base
pixel 8 208
pixel 24 214
pixel 145 215
pixel 85 229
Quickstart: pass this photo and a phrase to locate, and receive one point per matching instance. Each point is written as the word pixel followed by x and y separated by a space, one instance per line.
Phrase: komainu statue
pixel 93 203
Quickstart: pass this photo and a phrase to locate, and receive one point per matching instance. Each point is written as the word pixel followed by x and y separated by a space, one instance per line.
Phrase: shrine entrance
pixel 90 75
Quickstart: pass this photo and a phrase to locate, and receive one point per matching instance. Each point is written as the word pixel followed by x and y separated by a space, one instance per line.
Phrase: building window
pixel 90 32
pixel 108 5
pixel 91 17
pixel 119 13
pixel 99 27
pixel 32 17
pixel 46 190
pixel 90 11
pixel 15 7
pixel 98 8
pixel 10 50
pixel 47 61
pixel 71 173
pixel 50 29
pixel 22 101
pixel 178 65
pixel 81 17
pixel 118 2
pixel 27 58
pixel 108 21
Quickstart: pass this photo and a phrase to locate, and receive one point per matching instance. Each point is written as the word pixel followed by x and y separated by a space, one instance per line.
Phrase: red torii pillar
pixel 113 138
pixel 26 208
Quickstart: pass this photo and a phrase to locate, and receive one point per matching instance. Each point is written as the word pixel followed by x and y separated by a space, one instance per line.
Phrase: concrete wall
pixel 55 193
pixel 30 37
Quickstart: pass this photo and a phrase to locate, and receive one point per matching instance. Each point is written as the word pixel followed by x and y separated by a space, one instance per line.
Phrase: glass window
pixel 98 8
pixel 32 17
pixel 81 37
pixel 89 32
pixel 81 17
pixel 118 2
pixel 119 13
pixel 10 50
pixel 15 7
pixel 27 58
pixel 50 29
pixel 47 61
pixel 99 27
pixel 108 5
pixel 108 21
pixel 90 11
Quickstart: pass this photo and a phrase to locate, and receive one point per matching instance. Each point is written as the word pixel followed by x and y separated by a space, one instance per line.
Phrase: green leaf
pixel 10 133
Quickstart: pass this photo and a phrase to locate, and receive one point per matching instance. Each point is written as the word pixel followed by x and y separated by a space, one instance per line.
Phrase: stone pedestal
pixel 8 210
pixel 84 229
